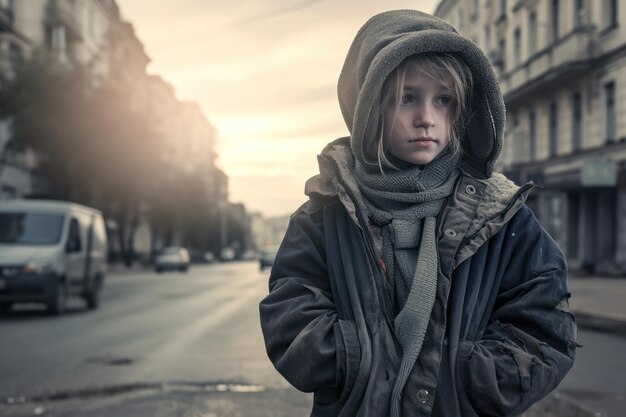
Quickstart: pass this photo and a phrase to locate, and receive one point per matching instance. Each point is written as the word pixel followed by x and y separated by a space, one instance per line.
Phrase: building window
pixel 610 13
pixel 475 8
pixel 488 38
pixel 519 141
pixel 579 13
pixel 609 111
pixel 532 33
pixel 555 20
pixel 517 40
pixel 15 57
pixel 502 8
pixel 555 210
pixel 502 56
pixel 577 122
pixel 55 38
pixel 92 23
pixel 532 136
pixel 553 131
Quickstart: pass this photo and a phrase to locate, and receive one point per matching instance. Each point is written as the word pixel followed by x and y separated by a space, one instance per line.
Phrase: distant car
pixel 227 254
pixel 208 257
pixel 249 255
pixel 172 258
pixel 267 257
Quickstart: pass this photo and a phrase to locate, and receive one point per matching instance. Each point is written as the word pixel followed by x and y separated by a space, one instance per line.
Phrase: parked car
pixel 227 254
pixel 249 255
pixel 266 259
pixel 172 258
pixel 50 250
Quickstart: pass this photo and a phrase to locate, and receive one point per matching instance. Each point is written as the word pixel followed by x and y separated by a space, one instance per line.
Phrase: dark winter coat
pixel 500 337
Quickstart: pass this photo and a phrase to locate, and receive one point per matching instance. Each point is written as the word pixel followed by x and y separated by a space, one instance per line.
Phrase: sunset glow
pixel 265 76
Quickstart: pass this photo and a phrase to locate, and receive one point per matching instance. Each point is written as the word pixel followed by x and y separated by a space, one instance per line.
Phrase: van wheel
pixel 56 303
pixel 92 297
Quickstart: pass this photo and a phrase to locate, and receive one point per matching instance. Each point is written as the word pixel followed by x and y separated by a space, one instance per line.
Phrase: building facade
pixel 562 69
pixel 268 232
pixel 70 30
pixel 14 167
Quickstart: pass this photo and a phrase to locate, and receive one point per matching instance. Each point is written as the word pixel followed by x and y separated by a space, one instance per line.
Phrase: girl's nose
pixel 424 117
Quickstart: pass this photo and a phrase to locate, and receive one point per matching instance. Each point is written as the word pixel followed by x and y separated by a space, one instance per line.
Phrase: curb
pixel 560 405
pixel 594 321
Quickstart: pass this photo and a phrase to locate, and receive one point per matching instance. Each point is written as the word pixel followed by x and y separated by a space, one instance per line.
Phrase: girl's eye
pixel 406 99
pixel 443 100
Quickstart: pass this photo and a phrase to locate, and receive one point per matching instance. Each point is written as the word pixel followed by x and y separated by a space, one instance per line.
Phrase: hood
pixel 382 44
pixel 20 254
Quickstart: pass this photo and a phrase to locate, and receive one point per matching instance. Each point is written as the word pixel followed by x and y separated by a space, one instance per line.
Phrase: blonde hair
pixel 443 68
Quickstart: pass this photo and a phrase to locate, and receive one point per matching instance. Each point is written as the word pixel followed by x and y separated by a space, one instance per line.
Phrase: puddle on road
pixel 107 360
pixel 106 392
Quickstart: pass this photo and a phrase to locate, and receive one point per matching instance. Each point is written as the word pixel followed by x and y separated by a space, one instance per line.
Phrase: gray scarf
pixel 409 201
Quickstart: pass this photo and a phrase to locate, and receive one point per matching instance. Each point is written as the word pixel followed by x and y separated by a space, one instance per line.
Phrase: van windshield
pixel 171 251
pixel 30 228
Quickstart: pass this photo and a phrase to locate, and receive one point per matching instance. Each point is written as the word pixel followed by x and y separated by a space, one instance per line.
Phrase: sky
pixel 264 73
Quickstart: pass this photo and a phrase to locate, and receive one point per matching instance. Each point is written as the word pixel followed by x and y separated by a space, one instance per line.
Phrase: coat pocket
pixel 348 358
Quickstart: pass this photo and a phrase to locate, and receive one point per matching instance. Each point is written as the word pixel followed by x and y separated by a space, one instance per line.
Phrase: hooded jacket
pixel 500 335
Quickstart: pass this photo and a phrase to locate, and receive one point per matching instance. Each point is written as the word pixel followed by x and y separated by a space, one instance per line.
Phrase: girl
pixel 415 281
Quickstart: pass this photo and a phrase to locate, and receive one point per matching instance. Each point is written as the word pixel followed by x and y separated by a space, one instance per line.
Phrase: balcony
pixel 64 12
pixel 560 62
pixel 6 19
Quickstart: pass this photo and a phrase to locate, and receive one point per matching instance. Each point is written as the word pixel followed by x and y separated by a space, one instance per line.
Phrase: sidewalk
pixel 599 302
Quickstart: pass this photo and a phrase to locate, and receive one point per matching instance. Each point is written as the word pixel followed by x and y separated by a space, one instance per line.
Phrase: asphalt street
pixel 598 378
pixel 172 344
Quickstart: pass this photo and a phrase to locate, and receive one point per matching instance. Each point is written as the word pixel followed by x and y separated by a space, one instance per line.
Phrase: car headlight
pixel 40 267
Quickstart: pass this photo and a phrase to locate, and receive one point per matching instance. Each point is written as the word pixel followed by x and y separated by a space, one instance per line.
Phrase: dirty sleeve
pixel 304 338
pixel 529 344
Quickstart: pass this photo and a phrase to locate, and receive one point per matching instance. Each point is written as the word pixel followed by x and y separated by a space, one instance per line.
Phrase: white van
pixel 50 250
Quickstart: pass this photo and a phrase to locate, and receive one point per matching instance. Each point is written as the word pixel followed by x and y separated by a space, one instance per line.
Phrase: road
pixel 186 345
pixel 598 378
pixel 171 344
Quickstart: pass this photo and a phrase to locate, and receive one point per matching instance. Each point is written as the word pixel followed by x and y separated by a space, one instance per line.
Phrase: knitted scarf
pixel 409 201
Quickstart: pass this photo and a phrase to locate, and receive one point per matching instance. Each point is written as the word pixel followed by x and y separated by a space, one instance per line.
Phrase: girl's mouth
pixel 423 141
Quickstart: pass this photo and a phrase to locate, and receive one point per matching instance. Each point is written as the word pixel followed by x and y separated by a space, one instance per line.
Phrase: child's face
pixel 421 129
